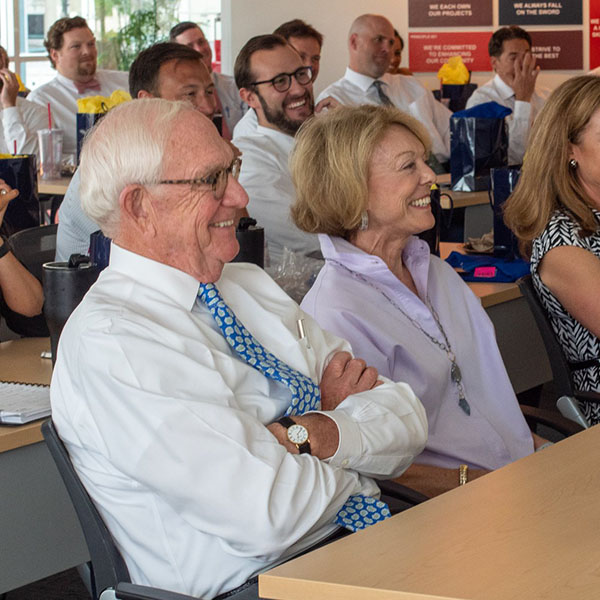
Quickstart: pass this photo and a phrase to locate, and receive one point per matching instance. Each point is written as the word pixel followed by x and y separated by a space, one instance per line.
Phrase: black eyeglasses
pixel 217 181
pixel 283 81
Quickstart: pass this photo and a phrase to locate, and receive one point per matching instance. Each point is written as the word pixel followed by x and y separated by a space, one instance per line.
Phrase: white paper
pixel 20 403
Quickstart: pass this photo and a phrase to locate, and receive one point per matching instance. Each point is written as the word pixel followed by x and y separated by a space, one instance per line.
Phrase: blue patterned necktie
pixel 359 511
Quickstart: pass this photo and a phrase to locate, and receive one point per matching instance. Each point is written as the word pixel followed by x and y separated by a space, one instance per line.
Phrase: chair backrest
pixel 108 566
pixel 561 372
pixel 34 247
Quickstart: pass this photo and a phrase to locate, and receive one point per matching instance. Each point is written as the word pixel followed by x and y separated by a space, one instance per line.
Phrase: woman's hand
pixel 6 195
pixel 10 89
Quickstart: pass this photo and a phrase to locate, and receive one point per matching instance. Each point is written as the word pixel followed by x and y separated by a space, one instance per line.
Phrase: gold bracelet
pixel 463 474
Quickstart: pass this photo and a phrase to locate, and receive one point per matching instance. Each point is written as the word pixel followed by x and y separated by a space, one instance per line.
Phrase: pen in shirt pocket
pixel 301 332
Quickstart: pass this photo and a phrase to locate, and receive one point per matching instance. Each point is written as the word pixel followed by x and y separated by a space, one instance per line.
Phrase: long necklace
pixel 455 373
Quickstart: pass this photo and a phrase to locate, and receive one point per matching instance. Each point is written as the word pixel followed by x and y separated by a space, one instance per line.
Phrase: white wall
pixel 243 19
pixel 331 17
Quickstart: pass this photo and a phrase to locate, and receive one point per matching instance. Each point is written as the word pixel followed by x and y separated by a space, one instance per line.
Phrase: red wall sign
pixel 429 51
pixel 436 13
pixel 594 34
pixel 558 50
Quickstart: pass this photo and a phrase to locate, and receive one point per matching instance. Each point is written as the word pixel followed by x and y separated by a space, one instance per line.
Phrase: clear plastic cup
pixel 50 142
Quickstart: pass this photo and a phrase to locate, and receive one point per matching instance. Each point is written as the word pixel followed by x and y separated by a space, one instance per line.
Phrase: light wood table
pixel 490 293
pixel 527 531
pixel 53 186
pixel 39 531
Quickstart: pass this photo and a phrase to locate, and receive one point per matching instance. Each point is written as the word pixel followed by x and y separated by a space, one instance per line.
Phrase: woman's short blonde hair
pixel 330 165
pixel 547 181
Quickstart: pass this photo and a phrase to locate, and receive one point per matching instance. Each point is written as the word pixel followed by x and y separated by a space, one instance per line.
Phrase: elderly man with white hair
pixel 366 81
pixel 209 457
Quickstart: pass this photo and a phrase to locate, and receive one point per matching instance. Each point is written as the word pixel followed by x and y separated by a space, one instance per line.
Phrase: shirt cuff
pixel 10 112
pixel 522 110
pixel 349 444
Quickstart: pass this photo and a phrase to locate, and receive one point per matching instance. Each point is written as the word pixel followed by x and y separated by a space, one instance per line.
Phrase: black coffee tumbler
pixel 65 284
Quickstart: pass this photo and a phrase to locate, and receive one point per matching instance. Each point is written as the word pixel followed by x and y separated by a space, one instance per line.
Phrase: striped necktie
pixel 383 97
pixel 359 511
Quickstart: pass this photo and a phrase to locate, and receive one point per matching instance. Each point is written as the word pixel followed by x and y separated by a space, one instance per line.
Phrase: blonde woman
pixel 362 183
pixel 555 213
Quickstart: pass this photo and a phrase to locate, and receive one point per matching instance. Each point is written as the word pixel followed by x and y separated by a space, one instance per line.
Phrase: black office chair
pixel 562 372
pixel 34 247
pixel 108 572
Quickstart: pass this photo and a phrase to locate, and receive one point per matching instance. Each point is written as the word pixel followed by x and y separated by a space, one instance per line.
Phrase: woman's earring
pixel 364 221
pixel 573 163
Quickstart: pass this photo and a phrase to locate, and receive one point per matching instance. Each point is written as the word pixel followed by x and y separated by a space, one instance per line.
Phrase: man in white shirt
pixel 20 118
pixel 514 86
pixel 166 70
pixel 172 422
pixel 274 82
pixel 72 51
pixel 366 81
pixel 308 42
pixel 229 105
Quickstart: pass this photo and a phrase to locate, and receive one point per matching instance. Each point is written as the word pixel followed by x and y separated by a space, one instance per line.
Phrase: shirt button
pixel 345 462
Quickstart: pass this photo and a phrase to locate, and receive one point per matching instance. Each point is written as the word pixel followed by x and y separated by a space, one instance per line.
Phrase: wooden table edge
pixel 17 436
pixel 274 587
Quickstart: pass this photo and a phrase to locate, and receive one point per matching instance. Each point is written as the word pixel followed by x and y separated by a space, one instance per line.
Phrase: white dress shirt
pixel 265 175
pixel 21 123
pixel 233 106
pixel 520 121
pixel 62 95
pixel 166 426
pixel 407 94
pixel 246 125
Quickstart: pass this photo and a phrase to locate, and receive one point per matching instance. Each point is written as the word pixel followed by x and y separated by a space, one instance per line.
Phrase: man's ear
pixel 53 55
pixel 493 61
pixel 250 97
pixel 137 209
pixel 145 94
pixel 352 41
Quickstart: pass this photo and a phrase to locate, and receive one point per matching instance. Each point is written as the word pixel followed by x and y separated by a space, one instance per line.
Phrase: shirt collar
pixel 416 258
pixel 282 139
pixel 66 82
pixel 504 90
pixel 178 286
pixel 364 82
pixel 342 251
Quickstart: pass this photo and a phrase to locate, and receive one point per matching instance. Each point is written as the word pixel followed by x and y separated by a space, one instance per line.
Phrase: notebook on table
pixel 21 402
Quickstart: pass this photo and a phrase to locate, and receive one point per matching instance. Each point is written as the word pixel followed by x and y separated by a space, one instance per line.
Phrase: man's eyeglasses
pixel 283 81
pixel 217 181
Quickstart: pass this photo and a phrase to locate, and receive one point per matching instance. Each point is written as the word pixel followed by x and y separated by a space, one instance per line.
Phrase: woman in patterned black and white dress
pixel 555 213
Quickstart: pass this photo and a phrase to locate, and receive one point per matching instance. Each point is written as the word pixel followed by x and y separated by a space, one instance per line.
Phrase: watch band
pixel 5 248
pixel 287 422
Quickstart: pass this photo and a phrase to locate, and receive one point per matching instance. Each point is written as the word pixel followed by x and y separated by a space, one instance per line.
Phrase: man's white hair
pixel 125 147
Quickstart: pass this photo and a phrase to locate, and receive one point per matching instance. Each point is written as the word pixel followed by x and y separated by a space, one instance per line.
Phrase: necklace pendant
pixel 455 373
pixel 464 405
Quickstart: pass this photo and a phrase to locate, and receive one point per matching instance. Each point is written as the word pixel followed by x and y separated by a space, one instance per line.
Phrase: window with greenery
pixel 122 29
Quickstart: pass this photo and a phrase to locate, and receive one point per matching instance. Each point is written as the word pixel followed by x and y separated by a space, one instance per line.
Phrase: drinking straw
pixel 14 147
pixel 51 148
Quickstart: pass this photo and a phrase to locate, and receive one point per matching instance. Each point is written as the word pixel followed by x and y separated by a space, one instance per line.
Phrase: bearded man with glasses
pixel 273 81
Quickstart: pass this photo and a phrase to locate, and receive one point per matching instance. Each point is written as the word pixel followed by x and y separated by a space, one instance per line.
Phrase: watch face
pixel 297 434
